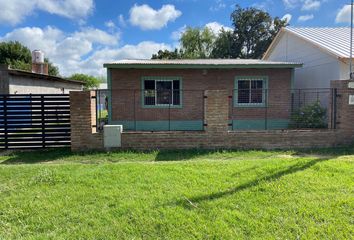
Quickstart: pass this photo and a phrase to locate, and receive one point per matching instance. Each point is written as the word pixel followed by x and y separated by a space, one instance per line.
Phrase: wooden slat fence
pixel 34 121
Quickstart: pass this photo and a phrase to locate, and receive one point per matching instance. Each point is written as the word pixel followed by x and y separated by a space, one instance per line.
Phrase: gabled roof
pixel 333 40
pixel 201 63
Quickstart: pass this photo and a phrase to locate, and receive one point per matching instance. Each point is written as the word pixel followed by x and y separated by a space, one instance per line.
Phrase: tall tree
pixel 18 56
pixel 254 30
pixel 52 69
pixel 197 42
pixel 222 45
pixel 165 54
pixel 15 55
pixel 90 82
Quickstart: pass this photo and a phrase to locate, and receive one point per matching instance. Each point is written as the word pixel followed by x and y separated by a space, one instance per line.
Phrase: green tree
pixel 15 55
pixel 222 45
pixel 197 42
pixel 254 30
pixel 90 82
pixel 165 54
pixel 18 56
pixel 52 69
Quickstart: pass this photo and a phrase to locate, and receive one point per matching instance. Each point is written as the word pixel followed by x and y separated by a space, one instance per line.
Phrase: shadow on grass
pixel 192 202
pixel 335 151
pixel 38 156
pixel 50 155
pixel 182 155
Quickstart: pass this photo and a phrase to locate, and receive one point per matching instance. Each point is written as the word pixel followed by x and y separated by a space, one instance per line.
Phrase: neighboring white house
pixel 325 53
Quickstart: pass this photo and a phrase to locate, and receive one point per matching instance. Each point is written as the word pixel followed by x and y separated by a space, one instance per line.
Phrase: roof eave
pixel 42 76
pixel 273 43
pixel 200 66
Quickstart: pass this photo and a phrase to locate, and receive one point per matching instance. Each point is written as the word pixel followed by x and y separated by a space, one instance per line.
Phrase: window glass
pixel 243 84
pixel 250 91
pixel 149 84
pixel 162 92
pixel 243 91
pixel 149 92
pixel 176 92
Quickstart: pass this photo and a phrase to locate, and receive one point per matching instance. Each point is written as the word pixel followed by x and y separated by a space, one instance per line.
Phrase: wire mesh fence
pixel 253 108
pixel 101 108
pixel 265 109
pixel 152 110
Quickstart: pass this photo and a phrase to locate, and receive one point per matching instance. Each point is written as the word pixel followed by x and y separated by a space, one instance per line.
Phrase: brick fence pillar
pixel 82 119
pixel 217 111
pixel 344 110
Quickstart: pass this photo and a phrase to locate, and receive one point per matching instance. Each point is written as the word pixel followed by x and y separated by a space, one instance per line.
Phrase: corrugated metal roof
pixel 335 40
pixel 18 72
pixel 201 62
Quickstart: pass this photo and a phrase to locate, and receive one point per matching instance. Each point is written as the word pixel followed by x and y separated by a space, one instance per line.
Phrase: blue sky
pixel 80 35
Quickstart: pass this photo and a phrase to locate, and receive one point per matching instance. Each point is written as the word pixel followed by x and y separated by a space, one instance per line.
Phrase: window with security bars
pixel 162 92
pixel 250 92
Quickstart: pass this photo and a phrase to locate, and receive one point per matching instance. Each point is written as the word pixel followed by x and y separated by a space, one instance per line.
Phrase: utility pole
pixel 351 41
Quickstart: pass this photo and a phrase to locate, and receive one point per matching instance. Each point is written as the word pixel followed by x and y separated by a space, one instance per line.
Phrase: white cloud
pixel 215 27
pixel 305 18
pixel 148 18
pixel 110 24
pixel 310 5
pixel 176 35
pixel 264 5
pixel 66 50
pixel 306 5
pixel 219 4
pixel 15 11
pixel 290 4
pixel 67 8
pixel 287 17
pixel 144 50
pixel 95 35
pixel 83 51
pixel 343 15
pixel 122 21
pixel 10 13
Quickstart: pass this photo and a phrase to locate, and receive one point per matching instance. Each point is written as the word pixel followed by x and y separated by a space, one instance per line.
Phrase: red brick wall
pixel 345 112
pixel 198 80
pixel 273 139
pixel 216 134
pixel 82 119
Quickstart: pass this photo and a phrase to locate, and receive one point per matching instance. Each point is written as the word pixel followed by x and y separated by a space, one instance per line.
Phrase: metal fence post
pixel 5 122
pixel 204 106
pixel 334 105
pixel 266 109
pixel 98 110
pixel 134 109
pixel 299 98
pixel 43 122
pixel 169 111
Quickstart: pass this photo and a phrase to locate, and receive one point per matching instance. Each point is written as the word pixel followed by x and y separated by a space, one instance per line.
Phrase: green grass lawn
pixel 177 195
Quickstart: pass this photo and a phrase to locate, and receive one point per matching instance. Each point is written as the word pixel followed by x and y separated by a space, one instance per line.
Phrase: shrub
pixel 310 116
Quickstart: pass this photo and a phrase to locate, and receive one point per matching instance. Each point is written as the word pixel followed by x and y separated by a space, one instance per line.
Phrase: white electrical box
pixel 351 99
pixel 112 136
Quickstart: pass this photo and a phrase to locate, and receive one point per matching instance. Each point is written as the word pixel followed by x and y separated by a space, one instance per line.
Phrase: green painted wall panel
pixel 161 125
pixel 260 124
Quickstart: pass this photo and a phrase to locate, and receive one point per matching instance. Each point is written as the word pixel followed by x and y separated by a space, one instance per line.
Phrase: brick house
pixel 157 95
